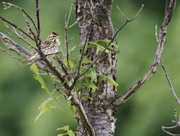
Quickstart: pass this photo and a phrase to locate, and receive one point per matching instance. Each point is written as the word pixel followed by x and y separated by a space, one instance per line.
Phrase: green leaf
pixel 90 85
pixel 72 107
pixel 65 128
pixel 86 61
pixel 101 48
pixel 98 46
pixel 109 80
pixel 92 74
pixel 70 133
pixel 71 63
pixel 86 84
pixel 72 49
pixel 60 134
pixel 91 45
pixel 104 43
pixel 34 68
pixel 85 97
pixel 47 105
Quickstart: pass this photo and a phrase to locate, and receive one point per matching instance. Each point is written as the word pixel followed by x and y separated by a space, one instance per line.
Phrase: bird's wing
pixel 45 44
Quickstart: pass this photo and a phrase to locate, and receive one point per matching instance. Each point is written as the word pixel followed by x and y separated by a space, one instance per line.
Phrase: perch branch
pixel 25 53
pixel 162 37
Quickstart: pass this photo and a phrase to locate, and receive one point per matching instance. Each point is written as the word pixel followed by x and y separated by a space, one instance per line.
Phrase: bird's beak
pixel 57 36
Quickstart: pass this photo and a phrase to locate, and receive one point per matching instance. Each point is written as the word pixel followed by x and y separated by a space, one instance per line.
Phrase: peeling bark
pixel 99 110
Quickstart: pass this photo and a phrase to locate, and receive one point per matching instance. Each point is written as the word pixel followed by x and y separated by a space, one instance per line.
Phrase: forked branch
pixel 161 40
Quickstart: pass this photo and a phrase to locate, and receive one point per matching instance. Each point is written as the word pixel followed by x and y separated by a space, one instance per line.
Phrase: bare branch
pixel 162 37
pixel 82 115
pixel 170 84
pixel 23 52
pixel 38 21
pixel 156 35
pixel 113 38
pixel 18 36
pixel 165 129
pixel 82 52
pixel 66 29
pixel 14 25
pixel 5 3
pixel 29 28
pixel 14 46
pixel 57 89
pixel 10 54
pixel 129 20
pixel 63 66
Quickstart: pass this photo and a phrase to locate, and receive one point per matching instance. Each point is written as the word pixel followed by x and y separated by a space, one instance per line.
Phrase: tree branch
pixel 162 37
pixel 44 64
pixel 170 84
pixel 10 54
pixel 113 38
pixel 17 27
pixel 12 5
pixel 166 129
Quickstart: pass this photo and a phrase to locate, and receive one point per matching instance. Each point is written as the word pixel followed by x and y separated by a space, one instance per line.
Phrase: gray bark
pixel 99 110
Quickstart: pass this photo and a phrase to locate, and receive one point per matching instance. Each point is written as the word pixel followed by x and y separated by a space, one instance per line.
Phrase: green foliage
pixel 72 108
pixel 109 80
pixel 47 105
pixel 104 43
pixel 97 46
pixel 91 73
pixel 34 68
pixel 68 131
pixel 100 45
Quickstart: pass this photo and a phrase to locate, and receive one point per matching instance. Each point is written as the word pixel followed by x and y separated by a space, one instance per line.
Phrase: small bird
pixel 49 47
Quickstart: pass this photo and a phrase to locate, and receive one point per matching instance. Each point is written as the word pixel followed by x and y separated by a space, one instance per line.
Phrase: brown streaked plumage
pixel 49 46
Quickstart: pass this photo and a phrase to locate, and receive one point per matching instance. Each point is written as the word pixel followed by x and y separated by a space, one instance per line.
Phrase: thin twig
pixel 113 38
pixel 63 66
pixel 10 54
pixel 11 34
pixel 18 36
pixel 29 28
pixel 57 89
pixel 66 29
pixel 156 34
pixel 165 129
pixel 170 84
pixel 71 39
pixel 82 52
pixel 134 16
pixel 38 20
pixel 162 37
pixel 5 3
pixel 17 27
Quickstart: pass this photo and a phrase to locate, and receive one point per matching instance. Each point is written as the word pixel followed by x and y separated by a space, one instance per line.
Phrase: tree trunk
pixel 99 110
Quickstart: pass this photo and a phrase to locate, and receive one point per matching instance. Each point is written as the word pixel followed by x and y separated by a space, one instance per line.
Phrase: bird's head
pixel 53 35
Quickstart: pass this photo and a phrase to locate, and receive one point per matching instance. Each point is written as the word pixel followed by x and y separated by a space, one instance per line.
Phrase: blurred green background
pixel 143 115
